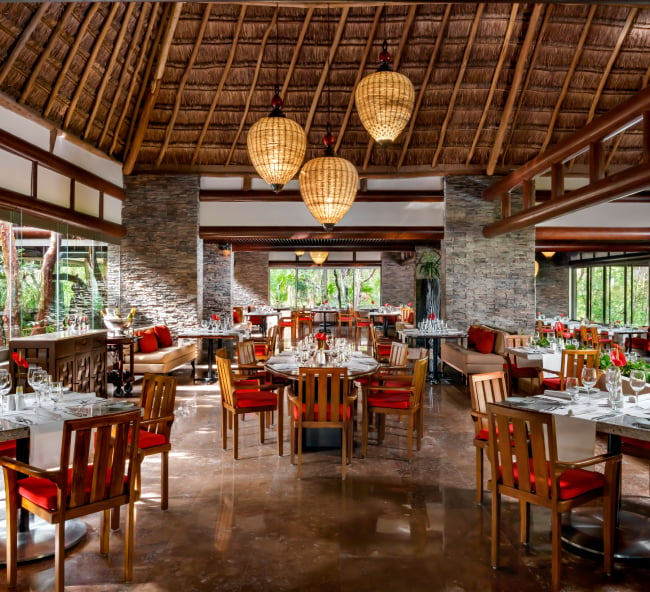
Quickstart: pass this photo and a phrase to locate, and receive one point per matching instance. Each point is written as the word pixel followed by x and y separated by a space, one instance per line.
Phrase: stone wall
pixel 397 279
pixel 217 281
pixel 158 269
pixel 552 288
pixel 251 278
pixel 484 280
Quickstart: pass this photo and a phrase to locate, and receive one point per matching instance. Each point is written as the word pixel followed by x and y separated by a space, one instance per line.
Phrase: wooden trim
pixel 401 247
pixel 563 233
pixel 219 195
pixel 426 233
pixel 18 146
pixel 42 209
pixel 593 246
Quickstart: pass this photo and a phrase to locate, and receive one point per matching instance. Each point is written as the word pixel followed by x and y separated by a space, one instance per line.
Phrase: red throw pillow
pixel 485 341
pixel 148 342
pixel 236 317
pixel 163 336
pixel 472 333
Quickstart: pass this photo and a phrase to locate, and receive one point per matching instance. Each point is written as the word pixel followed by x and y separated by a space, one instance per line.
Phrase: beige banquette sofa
pixel 156 351
pixel 483 352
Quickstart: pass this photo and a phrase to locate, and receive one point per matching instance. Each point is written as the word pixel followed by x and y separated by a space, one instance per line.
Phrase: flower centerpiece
pixel 321 338
pixel 432 316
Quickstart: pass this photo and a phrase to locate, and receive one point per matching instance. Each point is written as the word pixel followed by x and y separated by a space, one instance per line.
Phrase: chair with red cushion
pixel 562 331
pixel 97 473
pixel 573 361
pixel 525 466
pixel 286 322
pixel 236 402
pixel 361 321
pixel 515 372
pixel 400 400
pixel 345 318
pixel 323 401
pixel 488 387
pixel 600 339
pixel 8 448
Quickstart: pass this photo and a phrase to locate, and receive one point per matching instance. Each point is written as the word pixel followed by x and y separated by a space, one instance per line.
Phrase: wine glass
pixel 637 384
pixel 571 387
pixel 35 378
pixel 589 378
pixel 5 386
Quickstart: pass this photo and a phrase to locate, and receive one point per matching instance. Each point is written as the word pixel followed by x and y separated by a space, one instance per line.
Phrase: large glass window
pixel 359 287
pixel 610 293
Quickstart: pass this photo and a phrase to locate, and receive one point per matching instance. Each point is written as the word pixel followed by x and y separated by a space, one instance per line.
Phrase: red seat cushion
pixel 636 443
pixel 485 341
pixel 251 398
pixel 552 383
pixel 384 350
pixel 150 439
pixel 163 336
pixel 8 448
pixel 572 482
pixel 329 417
pixel 395 399
pixel 236 317
pixel 42 492
pixel 260 349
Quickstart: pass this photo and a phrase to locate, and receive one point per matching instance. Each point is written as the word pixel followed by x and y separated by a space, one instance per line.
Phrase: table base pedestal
pixel 583 535
pixel 38 541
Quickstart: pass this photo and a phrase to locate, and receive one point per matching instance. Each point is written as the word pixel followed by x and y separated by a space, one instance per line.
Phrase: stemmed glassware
pixel 5 386
pixel 637 384
pixel 589 378
pixel 35 378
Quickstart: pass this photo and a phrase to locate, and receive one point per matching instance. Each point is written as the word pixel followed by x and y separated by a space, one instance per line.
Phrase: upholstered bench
pixel 484 351
pixel 157 352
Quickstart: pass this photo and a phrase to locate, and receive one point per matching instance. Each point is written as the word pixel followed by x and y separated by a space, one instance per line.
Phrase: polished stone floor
pixel 392 525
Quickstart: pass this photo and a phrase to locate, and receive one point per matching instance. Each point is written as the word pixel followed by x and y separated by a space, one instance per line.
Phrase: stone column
pixel 159 268
pixel 217 280
pixel 397 279
pixel 251 278
pixel 485 280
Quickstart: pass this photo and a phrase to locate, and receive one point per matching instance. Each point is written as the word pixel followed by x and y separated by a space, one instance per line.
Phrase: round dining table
pixel 286 366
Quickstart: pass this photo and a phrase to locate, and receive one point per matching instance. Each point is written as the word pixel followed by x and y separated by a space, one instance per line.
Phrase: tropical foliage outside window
pixel 359 287
pixel 49 281
pixel 611 293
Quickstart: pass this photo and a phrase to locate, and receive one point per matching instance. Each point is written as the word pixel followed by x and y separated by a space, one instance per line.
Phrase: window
pixel 359 287
pixel 610 293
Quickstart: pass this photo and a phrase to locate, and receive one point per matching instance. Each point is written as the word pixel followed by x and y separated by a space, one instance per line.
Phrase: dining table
pixel 213 336
pixel 324 312
pixel 531 356
pixel 386 316
pixel 432 338
pixel 38 433
pixel 264 314
pixel 583 532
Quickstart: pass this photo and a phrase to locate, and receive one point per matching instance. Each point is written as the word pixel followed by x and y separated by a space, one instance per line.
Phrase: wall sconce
pixel 548 254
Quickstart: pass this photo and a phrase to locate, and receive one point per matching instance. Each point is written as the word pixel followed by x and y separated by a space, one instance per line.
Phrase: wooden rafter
pixel 514 87
pixel 425 83
pixel 153 88
pixel 568 77
pixel 222 82
pixel 459 80
pixel 251 90
pixel 25 34
pixel 108 71
pixel 123 76
pixel 406 29
pixel 183 82
pixel 495 79
pixel 537 40
pixel 360 71
pixel 45 54
pixel 296 51
pixel 338 35
pixel 72 53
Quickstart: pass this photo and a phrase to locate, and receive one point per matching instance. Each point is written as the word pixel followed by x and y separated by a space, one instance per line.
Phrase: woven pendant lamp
pixel 276 146
pixel 318 257
pixel 385 101
pixel 328 185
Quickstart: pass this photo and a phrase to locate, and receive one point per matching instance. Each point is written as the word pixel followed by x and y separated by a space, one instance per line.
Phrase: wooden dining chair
pixel 402 398
pixel 345 318
pixel 516 373
pixel 525 466
pixel 484 388
pixel 236 402
pixel 573 361
pixel 97 472
pixel 361 322
pixel 323 401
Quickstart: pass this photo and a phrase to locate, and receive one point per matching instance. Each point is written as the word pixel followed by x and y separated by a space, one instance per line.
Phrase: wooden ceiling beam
pixel 183 81
pixel 601 234
pixel 251 90
pixel 513 91
pixel 459 79
pixel 226 196
pixel 406 29
pixel 153 88
pixel 495 79
pixel 296 52
pixel 433 58
pixel 222 82
pixel 108 72
pixel 426 233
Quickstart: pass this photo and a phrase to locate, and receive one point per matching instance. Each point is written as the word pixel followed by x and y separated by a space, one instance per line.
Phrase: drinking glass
pixel 589 378
pixel 5 386
pixel 35 378
pixel 56 392
pixel 571 387
pixel 637 384
pixel 612 382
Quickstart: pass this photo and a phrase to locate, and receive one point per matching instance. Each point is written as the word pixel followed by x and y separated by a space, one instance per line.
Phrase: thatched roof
pixel 175 87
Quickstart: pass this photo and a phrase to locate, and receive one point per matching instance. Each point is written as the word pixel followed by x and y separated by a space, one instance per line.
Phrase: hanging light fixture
pixel 318 257
pixel 384 100
pixel 299 253
pixel 276 144
pixel 328 184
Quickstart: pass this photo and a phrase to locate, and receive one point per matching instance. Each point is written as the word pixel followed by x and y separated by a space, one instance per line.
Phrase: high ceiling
pixel 175 87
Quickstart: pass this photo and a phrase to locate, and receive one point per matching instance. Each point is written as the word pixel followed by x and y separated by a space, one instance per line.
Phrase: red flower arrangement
pixel 617 357
pixel 215 317
pixel 409 304
pixel 325 301
pixel 19 360
pixel 432 316
pixel 321 338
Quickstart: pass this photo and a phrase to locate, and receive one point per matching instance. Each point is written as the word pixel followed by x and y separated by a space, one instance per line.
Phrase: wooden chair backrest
pixel 419 380
pixel 485 388
pixel 224 371
pixel 324 394
pixel 517 340
pixel 272 340
pixel 520 454
pixel 398 354
pixel 157 402
pixel 574 360
pixel 372 341
pixel 102 464
pixel 246 352
pixel 586 334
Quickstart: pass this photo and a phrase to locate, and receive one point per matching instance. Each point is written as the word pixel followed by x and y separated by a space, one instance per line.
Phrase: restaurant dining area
pixel 324 296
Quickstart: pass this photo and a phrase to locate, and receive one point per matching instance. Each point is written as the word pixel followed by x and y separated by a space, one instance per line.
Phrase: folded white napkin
pixel 557 394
